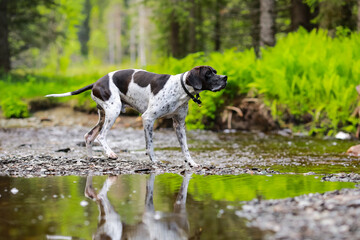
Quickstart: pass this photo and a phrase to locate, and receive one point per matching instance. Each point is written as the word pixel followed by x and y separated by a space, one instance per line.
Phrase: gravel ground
pixel 332 215
pixel 60 150
pixel 52 144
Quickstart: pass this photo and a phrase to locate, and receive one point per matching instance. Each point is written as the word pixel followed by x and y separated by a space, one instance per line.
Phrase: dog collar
pixel 195 98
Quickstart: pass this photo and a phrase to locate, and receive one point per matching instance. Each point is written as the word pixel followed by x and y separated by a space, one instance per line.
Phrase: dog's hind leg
pixel 94 132
pixel 112 110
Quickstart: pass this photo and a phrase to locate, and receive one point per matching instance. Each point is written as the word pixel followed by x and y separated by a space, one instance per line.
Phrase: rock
pixel 63 150
pixel 286 132
pixel 354 151
pixel 343 136
pixel 14 191
pixel 24 145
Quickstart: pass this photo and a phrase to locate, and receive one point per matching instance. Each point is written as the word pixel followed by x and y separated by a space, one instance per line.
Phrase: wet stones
pixel 332 215
pixel 48 165
pixel 342 177
pixel 354 151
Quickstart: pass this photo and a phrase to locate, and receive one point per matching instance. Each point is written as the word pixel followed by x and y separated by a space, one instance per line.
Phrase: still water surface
pixel 166 206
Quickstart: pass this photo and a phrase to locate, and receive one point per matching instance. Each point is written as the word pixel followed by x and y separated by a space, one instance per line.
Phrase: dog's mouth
pixel 219 88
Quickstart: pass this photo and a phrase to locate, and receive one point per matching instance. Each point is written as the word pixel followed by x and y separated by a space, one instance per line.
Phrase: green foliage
pixel 14 108
pixel 311 73
pixel 305 73
pixel 18 86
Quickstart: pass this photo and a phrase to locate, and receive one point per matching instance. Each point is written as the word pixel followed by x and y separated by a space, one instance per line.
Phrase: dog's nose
pixel 224 77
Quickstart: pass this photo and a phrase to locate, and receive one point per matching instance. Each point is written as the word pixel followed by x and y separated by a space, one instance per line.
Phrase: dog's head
pixel 205 78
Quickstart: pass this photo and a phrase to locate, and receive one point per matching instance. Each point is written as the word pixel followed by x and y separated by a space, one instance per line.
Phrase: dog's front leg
pixel 179 126
pixel 148 123
pixel 180 204
pixel 149 200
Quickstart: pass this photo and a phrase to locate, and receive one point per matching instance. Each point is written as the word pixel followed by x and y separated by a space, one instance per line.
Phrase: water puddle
pixel 285 154
pixel 166 206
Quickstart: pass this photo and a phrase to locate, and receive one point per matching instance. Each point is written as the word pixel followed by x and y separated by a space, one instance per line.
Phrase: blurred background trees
pixel 54 33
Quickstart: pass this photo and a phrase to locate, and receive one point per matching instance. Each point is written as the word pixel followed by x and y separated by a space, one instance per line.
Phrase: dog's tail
pixel 88 87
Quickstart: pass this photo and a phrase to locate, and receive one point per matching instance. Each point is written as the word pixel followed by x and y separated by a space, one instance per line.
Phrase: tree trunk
pixel 118 28
pixel 192 27
pixel 142 34
pixel 200 27
pixel 267 23
pixel 174 38
pixel 217 26
pixel 300 15
pixel 133 45
pixel 84 29
pixel 336 13
pixel 358 16
pixel 4 38
pixel 255 26
pixel 347 16
pixel 111 37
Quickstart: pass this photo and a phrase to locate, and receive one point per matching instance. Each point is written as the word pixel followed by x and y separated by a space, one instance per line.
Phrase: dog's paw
pixel 112 155
pixel 90 193
pixel 193 164
pixel 112 179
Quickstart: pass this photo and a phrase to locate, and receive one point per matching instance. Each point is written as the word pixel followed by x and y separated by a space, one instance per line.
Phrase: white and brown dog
pixel 153 95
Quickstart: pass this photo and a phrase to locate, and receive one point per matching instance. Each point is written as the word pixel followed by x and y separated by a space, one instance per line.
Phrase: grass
pixel 26 87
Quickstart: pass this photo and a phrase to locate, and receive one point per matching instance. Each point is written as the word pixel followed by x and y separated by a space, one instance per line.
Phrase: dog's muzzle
pixel 223 83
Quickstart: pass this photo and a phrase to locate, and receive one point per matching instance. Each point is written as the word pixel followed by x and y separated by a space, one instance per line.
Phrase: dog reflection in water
pixel 154 225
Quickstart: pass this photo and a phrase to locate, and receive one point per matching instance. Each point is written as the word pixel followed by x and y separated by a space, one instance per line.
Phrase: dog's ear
pixel 194 78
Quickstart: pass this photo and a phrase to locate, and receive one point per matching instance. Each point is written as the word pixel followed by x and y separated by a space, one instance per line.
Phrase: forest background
pixel 298 61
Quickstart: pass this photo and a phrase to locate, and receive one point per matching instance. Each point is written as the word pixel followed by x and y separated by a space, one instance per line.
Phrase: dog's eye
pixel 208 74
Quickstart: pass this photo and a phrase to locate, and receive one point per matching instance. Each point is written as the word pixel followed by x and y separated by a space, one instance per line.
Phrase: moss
pixel 14 108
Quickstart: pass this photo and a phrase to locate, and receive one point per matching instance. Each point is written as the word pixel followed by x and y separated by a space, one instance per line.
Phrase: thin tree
pixel 142 34
pixel 267 22
pixel 84 29
pixel 4 37
pixel 300 15
pixel 358 15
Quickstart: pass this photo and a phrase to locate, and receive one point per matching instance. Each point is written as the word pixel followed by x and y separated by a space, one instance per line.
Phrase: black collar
pixel 195 98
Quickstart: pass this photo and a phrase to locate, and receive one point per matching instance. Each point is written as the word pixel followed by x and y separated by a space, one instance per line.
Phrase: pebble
pixel 343 136
pixel 14 191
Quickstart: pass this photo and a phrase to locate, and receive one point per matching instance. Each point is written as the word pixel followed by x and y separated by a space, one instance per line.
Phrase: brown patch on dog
pixel 156 81
pixel 122 79
pixel 101 88
pixel 193 78
pixel 197 77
